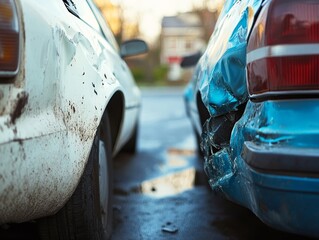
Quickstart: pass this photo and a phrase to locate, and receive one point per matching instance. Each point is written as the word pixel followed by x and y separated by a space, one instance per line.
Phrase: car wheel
pixel 88 213
pixel 131 145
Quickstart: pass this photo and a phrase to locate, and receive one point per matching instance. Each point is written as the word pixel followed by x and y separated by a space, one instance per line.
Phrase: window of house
pixel 172 43
pixel 188 44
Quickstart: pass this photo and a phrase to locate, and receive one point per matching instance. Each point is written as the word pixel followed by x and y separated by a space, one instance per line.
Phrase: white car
pixel 68 102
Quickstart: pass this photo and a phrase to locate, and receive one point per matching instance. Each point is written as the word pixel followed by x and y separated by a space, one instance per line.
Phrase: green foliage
pixel 139 74
pixel 153 76
pixel 160 72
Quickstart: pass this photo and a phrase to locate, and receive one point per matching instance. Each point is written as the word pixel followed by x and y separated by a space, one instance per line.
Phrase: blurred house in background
pixel 181 35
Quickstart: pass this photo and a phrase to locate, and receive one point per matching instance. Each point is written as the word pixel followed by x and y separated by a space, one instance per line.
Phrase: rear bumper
pixel 279 162
pixel 272 164
pixel 286 203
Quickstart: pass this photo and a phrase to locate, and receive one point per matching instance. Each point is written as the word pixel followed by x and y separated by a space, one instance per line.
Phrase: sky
pixel 151 12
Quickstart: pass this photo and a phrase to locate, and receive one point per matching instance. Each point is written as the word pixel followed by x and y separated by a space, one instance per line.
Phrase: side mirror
pixel 191 60
pixel 133 47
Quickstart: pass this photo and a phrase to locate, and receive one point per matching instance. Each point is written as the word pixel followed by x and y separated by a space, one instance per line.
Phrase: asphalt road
pixel 162 193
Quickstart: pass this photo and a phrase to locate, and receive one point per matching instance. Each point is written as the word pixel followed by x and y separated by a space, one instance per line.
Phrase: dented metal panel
pixel 50 112
pixel 222 82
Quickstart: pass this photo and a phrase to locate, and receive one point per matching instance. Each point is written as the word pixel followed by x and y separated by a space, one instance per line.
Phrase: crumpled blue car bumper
pixel 272 163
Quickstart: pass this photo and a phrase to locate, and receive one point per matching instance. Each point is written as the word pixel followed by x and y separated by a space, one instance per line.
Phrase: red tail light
pixel 283 49
pixel 9 38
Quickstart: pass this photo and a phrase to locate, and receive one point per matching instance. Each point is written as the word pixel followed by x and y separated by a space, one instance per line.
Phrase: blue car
pixel 259 82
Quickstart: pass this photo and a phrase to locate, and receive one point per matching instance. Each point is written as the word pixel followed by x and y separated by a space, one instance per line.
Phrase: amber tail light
pixel 9 38
pixel 283 49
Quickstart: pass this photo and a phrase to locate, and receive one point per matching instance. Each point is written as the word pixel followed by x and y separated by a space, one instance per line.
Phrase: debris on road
pixel 169 228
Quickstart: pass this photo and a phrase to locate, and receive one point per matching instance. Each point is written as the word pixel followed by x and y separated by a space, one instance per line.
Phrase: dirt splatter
pixel 21 102
pixel 72 108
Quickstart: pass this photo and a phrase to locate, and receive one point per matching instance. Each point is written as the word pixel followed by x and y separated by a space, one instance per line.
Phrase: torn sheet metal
pixel 223 83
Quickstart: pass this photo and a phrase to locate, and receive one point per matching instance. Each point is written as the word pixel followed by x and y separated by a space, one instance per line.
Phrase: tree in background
pixel 208 14
pixel 122 26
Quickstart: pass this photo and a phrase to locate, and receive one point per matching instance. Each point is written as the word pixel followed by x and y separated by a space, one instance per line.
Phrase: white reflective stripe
pixel 283 51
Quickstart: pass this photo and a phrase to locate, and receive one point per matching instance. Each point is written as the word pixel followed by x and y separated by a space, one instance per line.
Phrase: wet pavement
pixel 162 192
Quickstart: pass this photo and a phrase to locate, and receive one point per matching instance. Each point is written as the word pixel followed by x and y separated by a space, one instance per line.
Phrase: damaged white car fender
pixel 50 110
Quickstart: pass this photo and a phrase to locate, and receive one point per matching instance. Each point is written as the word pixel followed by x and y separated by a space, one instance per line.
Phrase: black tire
pixel 88 213
pixel 131 145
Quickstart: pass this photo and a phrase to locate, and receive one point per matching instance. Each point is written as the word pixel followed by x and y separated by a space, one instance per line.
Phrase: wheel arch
pixel 115 112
